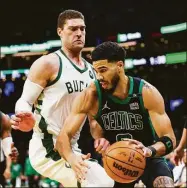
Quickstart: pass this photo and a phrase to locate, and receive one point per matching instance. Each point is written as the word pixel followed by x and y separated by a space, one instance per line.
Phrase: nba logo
pixel 134 106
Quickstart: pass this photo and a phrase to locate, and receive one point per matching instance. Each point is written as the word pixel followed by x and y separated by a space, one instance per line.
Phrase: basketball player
pixel 179 151
pixel 53 82
pixel 7 148
pixel 125 108
pixel 5 134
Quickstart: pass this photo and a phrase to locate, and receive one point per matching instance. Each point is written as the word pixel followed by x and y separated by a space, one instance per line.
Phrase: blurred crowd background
pixel 154 35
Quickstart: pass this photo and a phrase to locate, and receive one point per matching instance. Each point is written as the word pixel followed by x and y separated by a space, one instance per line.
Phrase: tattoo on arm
pixel 163 181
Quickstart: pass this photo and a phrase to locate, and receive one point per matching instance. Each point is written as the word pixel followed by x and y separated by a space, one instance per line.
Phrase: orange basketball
pixel 123 162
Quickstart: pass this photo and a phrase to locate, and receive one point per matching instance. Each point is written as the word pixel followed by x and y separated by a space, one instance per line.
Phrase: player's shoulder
pixel 90 93
pixel 49 59
pixel 149 89
pixel 92 90
pixel 151 96
pixel 47 62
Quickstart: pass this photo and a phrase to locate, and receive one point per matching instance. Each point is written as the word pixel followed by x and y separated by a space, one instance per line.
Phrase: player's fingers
pixel 87 156
pixel 15 118
pixel 146 152
pixel 15 123
pixel 96 143
pixel 84 164
pixel 98 149
pixel 131 141
pixel 79 178
pixel 15 127
pixel 105 146
pixel 102 142
pixel 80 172
pixel 20 114
pixel 139 146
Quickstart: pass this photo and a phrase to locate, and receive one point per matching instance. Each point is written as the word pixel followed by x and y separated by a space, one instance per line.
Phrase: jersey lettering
pixel 76 86
pixel 122 120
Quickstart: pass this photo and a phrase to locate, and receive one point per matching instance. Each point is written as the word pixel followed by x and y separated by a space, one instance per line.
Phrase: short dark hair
pixel 110 51
pixel 68 15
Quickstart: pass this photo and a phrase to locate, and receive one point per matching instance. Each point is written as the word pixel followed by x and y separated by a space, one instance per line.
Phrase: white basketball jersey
pixel 55 102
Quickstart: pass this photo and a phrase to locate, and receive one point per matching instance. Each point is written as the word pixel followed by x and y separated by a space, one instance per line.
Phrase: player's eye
pixel 102 70
pixel 82 28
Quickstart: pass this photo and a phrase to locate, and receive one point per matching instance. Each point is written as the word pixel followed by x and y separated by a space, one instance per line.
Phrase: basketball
pixel 123 162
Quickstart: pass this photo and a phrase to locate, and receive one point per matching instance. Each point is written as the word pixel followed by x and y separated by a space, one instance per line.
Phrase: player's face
pixel 107 74
pixel 73 34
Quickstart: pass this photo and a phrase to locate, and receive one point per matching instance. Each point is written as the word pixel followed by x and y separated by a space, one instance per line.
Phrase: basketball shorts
pixel 61 171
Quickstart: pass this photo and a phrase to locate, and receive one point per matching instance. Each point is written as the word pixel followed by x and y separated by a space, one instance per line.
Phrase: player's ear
pixel 120 65
pixel 59 31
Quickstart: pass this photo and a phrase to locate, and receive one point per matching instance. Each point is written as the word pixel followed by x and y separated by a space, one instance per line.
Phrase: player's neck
pixel 74 56
pixel 122 88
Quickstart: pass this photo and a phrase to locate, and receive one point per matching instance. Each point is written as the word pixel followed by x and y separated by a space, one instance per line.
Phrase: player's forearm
pixel 63 146
pixel 30 94
pixel 183 141
pixel 95 130
pixel 96 134
pixel 8 162
pixel 23 105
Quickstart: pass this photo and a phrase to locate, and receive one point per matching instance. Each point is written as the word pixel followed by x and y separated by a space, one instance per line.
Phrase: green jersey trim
pixel 47 141
pixel 99 98
pixel 127 99
pixel 38 110
pixel 141 98
pixel 93 72
pixel 59 73
pixel 40 102
pixel 76 67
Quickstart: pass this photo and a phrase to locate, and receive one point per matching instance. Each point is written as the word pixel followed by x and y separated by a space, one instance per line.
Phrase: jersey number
pixel 121 137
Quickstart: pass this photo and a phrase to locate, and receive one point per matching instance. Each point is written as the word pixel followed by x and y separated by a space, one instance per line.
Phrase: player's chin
pixel 78 47
pixel 107 88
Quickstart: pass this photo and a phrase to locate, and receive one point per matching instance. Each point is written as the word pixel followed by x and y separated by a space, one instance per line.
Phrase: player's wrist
pixel 70 158
pixel 152 151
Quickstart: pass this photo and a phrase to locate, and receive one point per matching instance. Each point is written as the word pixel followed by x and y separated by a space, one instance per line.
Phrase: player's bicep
pixel 154 103
pixel 44 69
pixel 161 123
pixel 37 73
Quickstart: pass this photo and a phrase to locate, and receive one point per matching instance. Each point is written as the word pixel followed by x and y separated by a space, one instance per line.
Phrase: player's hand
pixel 101 144
pixel 23 121
pixel 177 156
pixel 14 152
pixel 79 165
pixel 146 151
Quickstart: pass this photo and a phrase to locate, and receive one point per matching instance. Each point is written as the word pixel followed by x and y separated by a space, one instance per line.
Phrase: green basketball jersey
pixel 125 118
